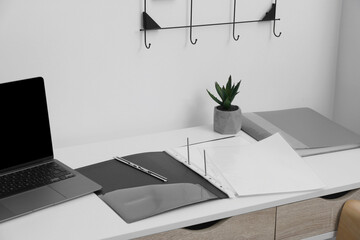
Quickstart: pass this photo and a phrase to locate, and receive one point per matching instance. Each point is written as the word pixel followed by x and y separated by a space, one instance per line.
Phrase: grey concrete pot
pixel 227 122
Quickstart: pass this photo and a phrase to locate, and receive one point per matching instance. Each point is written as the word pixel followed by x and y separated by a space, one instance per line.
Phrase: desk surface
pixel 89 218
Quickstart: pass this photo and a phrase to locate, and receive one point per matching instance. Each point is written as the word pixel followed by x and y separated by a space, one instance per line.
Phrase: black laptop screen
pixel 24 123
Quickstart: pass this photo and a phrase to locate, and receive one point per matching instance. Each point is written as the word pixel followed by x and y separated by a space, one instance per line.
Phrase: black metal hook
pixel 276 35
pixel 146 45
pixel 191 10
pixel 144 25
pixel 235 38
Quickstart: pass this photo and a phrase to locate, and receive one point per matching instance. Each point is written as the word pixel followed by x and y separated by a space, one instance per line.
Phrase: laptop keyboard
pixel 31 178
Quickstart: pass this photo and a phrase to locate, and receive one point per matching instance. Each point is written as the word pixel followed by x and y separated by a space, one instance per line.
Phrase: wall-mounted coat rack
pixel 149 24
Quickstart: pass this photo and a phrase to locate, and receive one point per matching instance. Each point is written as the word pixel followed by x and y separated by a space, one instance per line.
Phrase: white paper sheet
pixel 213 174
pixel 265 167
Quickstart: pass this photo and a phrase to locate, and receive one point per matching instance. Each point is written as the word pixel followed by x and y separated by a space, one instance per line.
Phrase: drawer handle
pixel 203 226
pixel 335 195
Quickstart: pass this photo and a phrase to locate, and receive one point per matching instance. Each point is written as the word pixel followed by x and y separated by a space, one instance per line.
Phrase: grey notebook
pixel 306 130
pixel 30 178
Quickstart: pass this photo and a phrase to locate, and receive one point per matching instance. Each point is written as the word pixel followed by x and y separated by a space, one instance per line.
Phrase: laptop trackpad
pixel 32 200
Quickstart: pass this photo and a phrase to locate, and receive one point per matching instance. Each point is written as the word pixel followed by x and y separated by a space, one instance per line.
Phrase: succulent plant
pixel 227 94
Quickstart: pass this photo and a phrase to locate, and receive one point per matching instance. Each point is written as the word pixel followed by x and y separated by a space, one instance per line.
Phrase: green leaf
pixel 232 97
pixel 237 86
pixel 228 85
pixel 214 98
pixel 235 91
pixel 227 104
pixel 228 92
pixel 220 91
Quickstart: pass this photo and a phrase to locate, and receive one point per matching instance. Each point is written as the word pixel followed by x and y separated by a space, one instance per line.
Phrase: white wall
pixel 102 82
pixel 347 100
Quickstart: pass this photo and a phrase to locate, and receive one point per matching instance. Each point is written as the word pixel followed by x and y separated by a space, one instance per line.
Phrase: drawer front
pixel 250 226
pixel 311 217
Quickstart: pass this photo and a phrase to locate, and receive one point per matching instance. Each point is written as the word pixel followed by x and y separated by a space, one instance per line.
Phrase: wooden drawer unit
pixel 310 217
pixel 250 226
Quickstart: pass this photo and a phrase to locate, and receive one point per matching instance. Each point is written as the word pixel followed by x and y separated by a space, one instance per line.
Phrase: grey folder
pixel 127 190
pixel 134 204
pixel 306 130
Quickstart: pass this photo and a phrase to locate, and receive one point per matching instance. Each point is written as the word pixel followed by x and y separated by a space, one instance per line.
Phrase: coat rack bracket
pixel 149 24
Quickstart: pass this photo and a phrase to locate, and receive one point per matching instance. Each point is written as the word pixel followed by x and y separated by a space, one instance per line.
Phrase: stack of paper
pixel 266 167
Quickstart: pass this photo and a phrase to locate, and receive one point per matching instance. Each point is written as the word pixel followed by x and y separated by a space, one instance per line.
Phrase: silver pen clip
pixel 140 168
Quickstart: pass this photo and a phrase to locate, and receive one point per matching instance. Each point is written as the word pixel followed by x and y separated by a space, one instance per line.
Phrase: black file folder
pixel 115 176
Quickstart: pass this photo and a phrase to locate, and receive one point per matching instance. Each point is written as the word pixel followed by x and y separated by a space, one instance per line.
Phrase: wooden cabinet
pixel 311 217
pixel 250 226
pixel 288 222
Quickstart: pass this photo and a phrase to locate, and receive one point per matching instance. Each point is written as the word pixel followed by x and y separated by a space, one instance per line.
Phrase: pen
pixel 140 168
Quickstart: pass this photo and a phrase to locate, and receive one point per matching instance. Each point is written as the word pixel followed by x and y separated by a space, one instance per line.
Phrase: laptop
pixel 30 178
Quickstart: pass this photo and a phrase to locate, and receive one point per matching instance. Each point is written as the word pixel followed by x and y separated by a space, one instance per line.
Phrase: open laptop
pixel 30 177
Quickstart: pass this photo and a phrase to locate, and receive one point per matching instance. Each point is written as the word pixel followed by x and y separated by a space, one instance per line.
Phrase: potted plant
pixel 227 117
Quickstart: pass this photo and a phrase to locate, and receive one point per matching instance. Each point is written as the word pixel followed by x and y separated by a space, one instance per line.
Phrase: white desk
pixel 89 218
